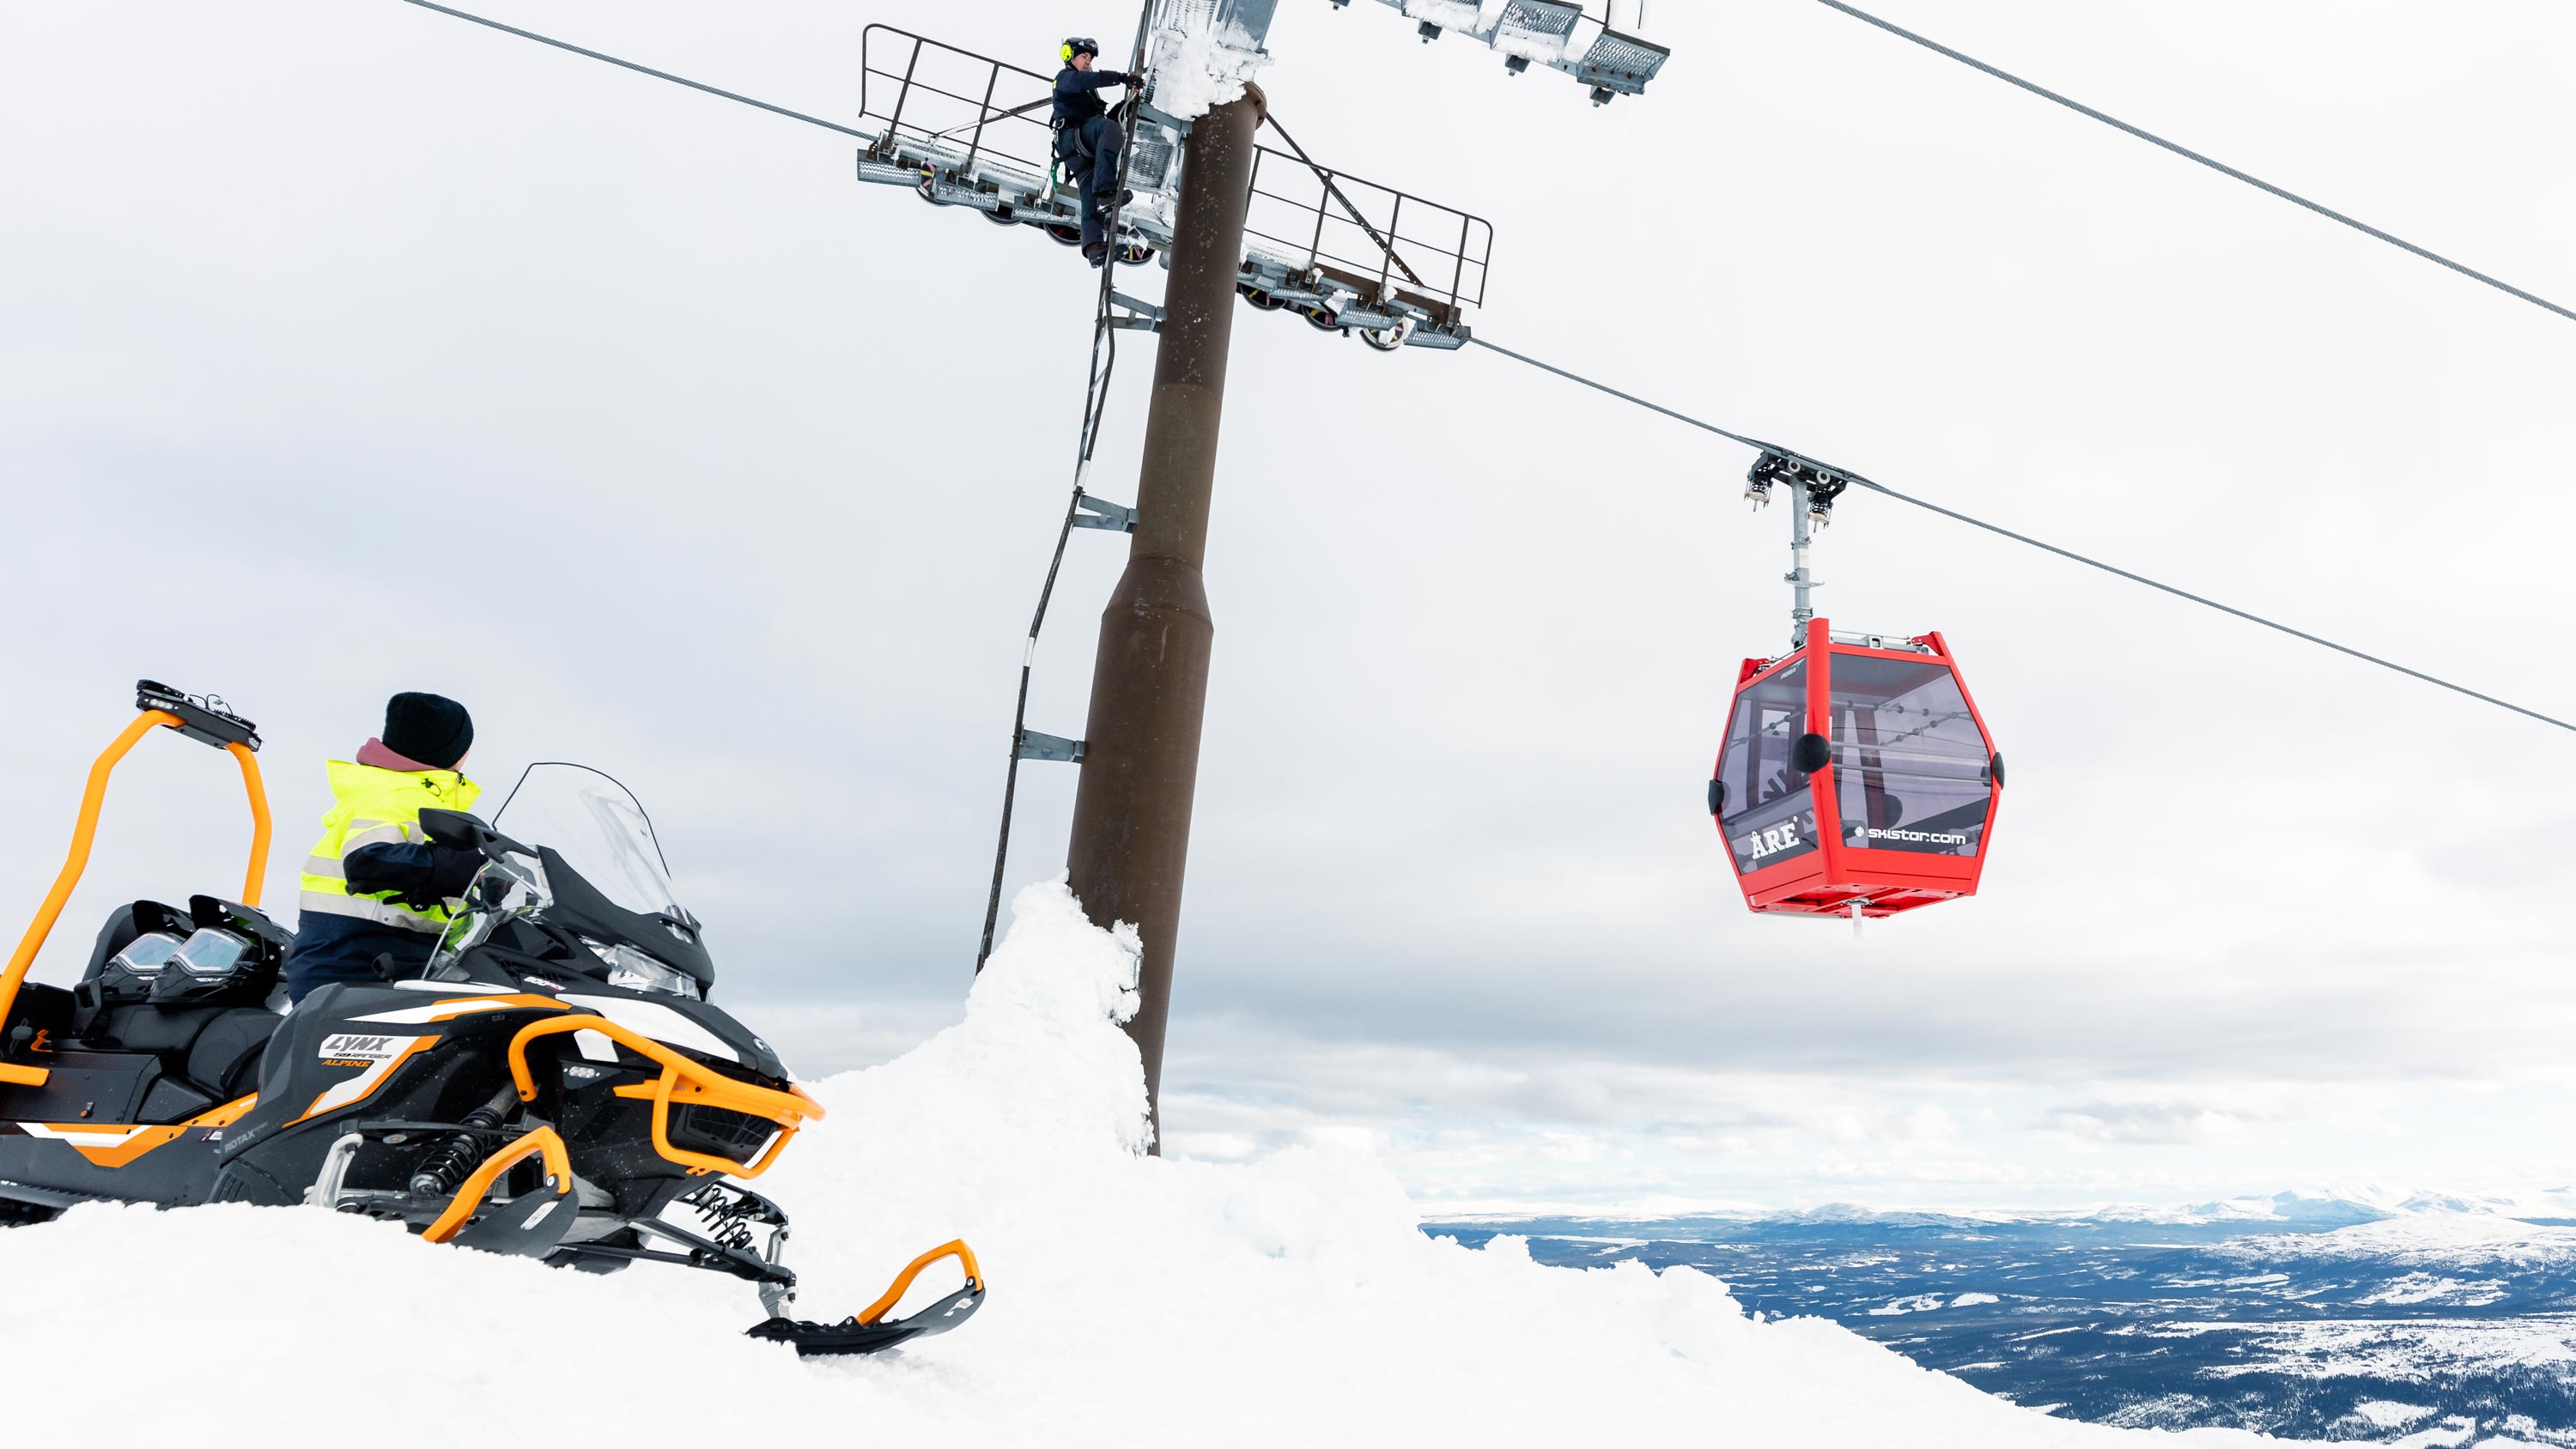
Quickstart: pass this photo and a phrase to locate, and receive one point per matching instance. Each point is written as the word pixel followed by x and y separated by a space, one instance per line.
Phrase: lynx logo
pixel 1774 840
pixel 365 1048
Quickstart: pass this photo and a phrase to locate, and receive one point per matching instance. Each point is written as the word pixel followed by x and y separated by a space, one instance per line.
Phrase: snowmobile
pixel 554 1085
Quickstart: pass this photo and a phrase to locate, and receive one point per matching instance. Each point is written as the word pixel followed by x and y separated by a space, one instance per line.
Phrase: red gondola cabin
pixel 1903 774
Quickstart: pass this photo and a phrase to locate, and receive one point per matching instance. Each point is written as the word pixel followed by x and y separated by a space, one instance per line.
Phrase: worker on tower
pixel 374 885
pixel 1088 142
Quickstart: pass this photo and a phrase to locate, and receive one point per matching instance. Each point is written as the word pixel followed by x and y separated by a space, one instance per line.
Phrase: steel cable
pixel 677 80
pixel 2188 154
pixel 1093 404
pixel 1858 481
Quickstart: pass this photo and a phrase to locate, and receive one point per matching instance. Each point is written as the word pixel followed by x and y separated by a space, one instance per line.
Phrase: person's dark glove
pixel 422 876
pixel 453 871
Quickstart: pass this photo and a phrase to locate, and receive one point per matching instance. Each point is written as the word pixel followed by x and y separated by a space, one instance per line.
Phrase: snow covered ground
pixel 1134 1300
pixel 2441 1239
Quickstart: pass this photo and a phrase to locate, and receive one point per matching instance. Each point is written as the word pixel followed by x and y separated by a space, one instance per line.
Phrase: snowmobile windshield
pixel 599 829
pixel 593 872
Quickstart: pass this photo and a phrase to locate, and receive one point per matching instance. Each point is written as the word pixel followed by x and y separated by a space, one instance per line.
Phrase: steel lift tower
pixel 1229 218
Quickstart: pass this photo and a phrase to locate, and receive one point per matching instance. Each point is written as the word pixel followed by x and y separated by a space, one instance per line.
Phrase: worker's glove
pixel 453 871
pixel 421 876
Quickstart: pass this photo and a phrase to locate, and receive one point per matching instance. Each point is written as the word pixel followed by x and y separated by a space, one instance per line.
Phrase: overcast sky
pixel 347 348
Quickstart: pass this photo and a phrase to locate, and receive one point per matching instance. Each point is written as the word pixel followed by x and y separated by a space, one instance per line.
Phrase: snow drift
pixel 1134 1301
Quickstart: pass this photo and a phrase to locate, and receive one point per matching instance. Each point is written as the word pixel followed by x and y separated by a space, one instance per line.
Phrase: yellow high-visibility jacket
pixel 377 807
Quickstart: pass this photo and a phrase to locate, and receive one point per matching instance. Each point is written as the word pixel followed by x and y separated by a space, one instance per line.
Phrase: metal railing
pixel 1370 238
pixel 985 126
pixel 976 105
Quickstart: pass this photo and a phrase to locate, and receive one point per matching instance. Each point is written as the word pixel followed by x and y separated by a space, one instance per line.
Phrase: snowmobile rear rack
pixel 967 130
pixel 207 721
pixel 162 707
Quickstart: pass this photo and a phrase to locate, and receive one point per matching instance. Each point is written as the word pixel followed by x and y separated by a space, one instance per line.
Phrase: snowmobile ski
pixel 871 1331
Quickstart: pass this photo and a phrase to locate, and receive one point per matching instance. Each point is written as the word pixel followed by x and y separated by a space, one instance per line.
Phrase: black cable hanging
pixel 1858 481
pixel 1104 365
pixel 2221 167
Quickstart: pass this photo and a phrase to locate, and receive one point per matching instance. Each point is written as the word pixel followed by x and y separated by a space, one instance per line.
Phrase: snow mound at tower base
pixel 1133 1302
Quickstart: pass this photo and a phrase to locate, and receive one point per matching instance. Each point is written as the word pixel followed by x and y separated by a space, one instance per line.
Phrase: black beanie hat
pixel 430 728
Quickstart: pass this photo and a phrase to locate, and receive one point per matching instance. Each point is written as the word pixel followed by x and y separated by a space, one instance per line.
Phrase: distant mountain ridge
pixel 2371 1314
pixel 2298 1209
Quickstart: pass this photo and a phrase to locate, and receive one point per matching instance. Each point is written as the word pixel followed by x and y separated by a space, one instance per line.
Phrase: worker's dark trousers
pixel 1091 153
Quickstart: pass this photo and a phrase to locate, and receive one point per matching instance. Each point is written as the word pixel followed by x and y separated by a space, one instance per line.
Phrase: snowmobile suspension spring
pixel 727 1217
pixel 454 1160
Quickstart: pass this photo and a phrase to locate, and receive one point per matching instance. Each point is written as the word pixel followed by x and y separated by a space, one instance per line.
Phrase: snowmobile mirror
pixel 453 828
pixel 1812 753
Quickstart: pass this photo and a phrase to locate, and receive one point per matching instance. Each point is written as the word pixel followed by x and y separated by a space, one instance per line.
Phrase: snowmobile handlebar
pixel 162 708
pixel 683 1082
pixel 458 830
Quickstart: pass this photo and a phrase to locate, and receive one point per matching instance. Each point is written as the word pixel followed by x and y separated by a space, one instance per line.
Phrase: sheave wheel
pixel 1385 339
pixel 1261 299
pixel 1065 235
pixel 1321 319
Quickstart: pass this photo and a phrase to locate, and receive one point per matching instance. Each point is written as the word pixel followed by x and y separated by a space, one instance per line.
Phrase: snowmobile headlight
pixel 635 971
pixel 210 953
pixel 148 953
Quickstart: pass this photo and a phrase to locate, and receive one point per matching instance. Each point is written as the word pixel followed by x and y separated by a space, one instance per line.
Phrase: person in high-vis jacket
pixel 374 886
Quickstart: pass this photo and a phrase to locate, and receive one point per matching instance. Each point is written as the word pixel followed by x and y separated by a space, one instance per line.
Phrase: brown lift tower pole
pixel 1131 813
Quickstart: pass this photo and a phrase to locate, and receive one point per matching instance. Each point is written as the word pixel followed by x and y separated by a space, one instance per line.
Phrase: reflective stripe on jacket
pixel 377 807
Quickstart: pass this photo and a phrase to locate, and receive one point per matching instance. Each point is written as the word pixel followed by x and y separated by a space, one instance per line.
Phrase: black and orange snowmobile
pixel 554 1085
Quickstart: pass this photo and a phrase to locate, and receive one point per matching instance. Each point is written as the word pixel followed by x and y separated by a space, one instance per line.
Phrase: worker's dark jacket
pixel 332 948
pixel 1077 99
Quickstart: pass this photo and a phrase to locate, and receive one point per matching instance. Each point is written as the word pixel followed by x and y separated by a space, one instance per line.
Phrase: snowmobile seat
pixel 215 1049
pixel 226 1056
